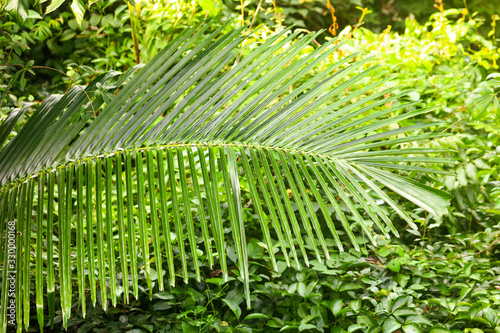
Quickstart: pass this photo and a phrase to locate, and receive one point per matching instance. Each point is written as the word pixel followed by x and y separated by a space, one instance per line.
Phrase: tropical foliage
pixel 108 167
pixel 442 277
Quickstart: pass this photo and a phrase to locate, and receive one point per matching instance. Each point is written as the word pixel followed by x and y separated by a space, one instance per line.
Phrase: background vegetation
pixel 445 278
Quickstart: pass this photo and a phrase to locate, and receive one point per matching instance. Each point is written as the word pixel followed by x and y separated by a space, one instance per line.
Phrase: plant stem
pixel 134 37
pixel 242 14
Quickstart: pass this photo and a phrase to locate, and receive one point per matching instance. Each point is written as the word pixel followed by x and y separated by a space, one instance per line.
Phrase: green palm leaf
pixel 144 167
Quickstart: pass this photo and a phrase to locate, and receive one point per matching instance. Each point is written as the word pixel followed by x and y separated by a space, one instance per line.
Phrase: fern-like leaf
pixel 157 151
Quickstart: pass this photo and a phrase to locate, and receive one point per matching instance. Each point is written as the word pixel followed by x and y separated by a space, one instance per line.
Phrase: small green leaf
pixel 449 182
pixel 164 295
pixel 304 327
pixel 471 171
pixel 439 330
pixel 384 251
pixel 256 316
pixel 481 320
pixel 337 306
pixel 394 265
pixel 418 320
pixel 462 179
pixel 233 306
pixel 22 80
pixel 301 289
pixel 162 306
pixel 355 305
pixel 350 286
pixel 79 8
pixel 464 292
pixel 353 328
pixel 400 301
pixel 34 15
pixel 53 6
pixel 410 328
pixel 390 325
pixel 402 279
pixel 403 312
pixel 212 7
pixel 476 330
pixel 414 96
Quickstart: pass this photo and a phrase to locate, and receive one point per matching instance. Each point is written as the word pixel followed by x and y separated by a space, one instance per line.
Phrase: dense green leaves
pixel 355 291
pixel 20 8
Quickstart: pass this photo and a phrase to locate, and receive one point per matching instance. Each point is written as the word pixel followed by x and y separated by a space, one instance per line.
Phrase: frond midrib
pixel 207 145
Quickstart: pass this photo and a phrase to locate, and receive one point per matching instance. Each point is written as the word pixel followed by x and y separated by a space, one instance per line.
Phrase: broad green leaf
pixel 19 8
pixel 491 315
pixel 79 7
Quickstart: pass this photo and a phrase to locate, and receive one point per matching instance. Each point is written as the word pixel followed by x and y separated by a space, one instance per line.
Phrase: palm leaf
pixel 142 168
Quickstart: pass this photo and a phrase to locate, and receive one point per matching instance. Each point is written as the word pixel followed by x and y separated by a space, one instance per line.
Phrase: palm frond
pixel 141 177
